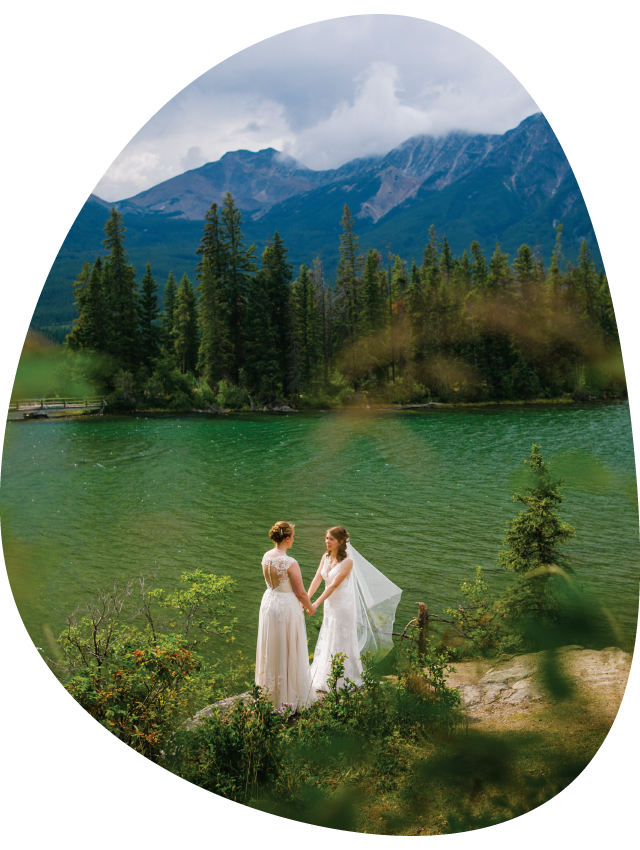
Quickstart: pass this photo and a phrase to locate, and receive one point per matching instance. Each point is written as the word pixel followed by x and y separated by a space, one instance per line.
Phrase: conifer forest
pixel 251 331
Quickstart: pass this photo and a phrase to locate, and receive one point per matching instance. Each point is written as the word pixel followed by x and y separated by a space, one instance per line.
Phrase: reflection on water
pixel 424 495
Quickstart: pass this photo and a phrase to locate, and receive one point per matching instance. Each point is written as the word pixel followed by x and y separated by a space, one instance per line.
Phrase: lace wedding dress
pixel 339 632
pixel 282 656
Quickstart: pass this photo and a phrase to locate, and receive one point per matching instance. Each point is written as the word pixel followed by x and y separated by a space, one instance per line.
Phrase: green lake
pixel 425 496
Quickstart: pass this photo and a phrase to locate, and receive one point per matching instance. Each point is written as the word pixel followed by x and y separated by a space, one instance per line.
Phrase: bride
pixel 282 656
pixel 359 611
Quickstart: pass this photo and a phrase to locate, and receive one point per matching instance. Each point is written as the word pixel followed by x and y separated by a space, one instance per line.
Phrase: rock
pixel 283 408
pixel 513 685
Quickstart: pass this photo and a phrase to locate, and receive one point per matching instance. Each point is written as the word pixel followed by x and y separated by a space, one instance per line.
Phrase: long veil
pixel 376 599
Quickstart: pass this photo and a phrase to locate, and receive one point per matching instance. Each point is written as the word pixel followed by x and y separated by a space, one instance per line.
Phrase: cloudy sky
pixel 325 94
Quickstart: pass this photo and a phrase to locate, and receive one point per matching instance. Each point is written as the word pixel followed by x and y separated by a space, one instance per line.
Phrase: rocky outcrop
pixel 594 678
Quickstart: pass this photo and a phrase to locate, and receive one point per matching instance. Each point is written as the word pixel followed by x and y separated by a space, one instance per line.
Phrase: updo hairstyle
pixel 340 533
pixel 280 531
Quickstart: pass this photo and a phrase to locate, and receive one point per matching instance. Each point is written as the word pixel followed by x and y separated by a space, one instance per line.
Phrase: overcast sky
pixel 325 94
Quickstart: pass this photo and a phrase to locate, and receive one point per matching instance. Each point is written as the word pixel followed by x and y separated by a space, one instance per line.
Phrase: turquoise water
pixel 425 496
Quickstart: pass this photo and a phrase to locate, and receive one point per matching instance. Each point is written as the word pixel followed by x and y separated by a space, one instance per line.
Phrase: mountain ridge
pixel 261 180
pixel 510 188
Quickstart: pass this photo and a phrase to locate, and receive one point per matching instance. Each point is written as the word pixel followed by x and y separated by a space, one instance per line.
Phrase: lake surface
pixel 425 496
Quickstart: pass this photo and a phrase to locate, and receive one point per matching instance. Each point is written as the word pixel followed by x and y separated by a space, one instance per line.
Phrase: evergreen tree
pixel 479 270
pixel 349 274
pixel 149 329
pixel 532 545
pixel 586 279
pixel 446 258
pixel 238 267
pixel 555 274
pixel 214 351
pixel 279 274
pixel 185 327
pixel 211 246
pixel 416 311
pixel 372 316
pixel 263 345
pixel 124 337
pixel 499 271
pixel 430 258
pixel 606 315
pixel 169 304
pixel 81 331
pixel 524 269
pixel 307 325
pixel 462 275
pixel 325 309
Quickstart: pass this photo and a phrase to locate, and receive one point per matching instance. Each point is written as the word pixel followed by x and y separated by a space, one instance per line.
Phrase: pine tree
pixel 416 311
pixel 263 356
pixel 238 267
pixel 462 275
pixel 446 258
pixel 307 325
pixel 499 271
pixel 149 329
pixel 81 331
pixel 430 258
pixel 214 356
pixel 214 351
pixel 124 337
pixel 586 279
pixel 532 545
pixel 555 274
pixel 185 327
pixel 325 310
pixel 279 274
pixel 349 274
pixel 373 314
pixel 479 270
pixel 98 305
pixel 169 304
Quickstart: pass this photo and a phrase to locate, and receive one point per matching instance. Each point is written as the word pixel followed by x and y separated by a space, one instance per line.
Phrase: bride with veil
pixel 359 609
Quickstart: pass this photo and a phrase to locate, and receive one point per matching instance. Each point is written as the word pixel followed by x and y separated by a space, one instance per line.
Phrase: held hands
pixel 311 611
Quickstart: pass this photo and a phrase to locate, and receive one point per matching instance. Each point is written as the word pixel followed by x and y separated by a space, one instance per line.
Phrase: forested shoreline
pixel 249 334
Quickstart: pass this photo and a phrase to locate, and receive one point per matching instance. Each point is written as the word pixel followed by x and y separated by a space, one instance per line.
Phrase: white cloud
pixel 194 159
pixel 325 93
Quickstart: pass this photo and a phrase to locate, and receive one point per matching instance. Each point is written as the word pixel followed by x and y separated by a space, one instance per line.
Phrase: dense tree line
pixel 452 328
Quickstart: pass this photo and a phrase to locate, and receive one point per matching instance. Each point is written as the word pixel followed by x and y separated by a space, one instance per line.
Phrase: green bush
pixel 230 397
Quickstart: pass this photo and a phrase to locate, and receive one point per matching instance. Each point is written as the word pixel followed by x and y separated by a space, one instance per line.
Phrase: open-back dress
pixel 282 655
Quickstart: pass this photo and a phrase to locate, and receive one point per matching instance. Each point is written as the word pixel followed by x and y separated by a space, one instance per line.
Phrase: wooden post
pixel 423 627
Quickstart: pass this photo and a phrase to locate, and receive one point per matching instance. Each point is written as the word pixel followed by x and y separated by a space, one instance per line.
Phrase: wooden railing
pixel 68 403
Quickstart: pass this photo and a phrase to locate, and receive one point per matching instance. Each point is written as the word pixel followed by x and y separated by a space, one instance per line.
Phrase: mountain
pixel 511 188
pixel 256 180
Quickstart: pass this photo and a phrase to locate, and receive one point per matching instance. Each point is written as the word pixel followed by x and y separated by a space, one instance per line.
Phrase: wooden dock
pixel 35 408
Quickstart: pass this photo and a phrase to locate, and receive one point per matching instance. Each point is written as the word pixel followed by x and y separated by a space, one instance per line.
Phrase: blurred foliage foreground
pixel 395 756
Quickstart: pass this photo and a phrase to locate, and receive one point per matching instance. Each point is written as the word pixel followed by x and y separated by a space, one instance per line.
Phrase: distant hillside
pixel 511 188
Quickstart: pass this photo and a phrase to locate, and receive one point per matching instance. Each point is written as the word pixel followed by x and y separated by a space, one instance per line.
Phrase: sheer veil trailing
pixel 375 599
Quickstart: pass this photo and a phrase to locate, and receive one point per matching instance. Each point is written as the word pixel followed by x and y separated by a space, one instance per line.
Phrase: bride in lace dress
pixel 339 631
pixel 282 656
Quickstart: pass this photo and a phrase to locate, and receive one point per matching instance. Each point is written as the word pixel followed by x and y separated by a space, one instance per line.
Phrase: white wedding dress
pixel 338 632
pixel 282 655
pixel 358 618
